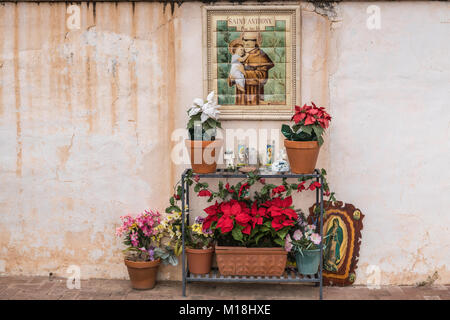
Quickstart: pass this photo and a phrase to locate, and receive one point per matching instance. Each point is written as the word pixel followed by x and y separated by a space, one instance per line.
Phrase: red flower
pixel 290 213
pixel 247 229
pixel 314 185
pixel 227 186
pixel 225 224
pixel 212 210
pixel 196 178
pixel 310 120
pixel 258 212
pixel 231 208
pixel 244 186
pixel 301 186
pixel 242 219
pixel 177 197
pixel 278 189
pixel 204 193
pixel 297 117
pixel 208 221
pixel 262 180
pixel 277 223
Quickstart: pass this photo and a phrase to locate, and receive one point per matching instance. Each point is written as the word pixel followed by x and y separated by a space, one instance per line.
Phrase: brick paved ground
pixel 44 288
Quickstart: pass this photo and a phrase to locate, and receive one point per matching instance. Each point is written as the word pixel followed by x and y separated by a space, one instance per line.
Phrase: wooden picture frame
pixel 252 58
pixel 342 225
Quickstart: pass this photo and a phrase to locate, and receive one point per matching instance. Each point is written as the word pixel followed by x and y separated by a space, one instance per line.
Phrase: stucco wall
pixel 86 118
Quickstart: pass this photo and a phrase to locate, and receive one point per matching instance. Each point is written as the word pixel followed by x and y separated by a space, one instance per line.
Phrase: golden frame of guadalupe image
pixel 342 225
pixel 252 58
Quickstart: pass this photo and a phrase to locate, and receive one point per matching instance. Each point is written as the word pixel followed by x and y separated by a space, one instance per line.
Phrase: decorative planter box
pixel 241 261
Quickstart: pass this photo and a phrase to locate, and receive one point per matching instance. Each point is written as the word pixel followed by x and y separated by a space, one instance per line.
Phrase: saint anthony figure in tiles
pixel 249 69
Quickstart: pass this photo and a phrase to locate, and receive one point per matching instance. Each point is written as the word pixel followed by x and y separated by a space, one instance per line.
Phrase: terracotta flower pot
pixel 241 261
pixel 143 274
pixel 302 155
pixel 203 155
pixel 199 260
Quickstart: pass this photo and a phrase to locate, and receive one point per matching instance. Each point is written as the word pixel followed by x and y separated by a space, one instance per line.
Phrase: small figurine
pixel 242 155
pixel 253 157
pixel 281 164
pixel 228 156
pixel 269 153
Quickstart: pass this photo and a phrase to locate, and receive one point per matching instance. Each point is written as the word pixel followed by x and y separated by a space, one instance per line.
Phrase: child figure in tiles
pixel 256 70
pixel 238 58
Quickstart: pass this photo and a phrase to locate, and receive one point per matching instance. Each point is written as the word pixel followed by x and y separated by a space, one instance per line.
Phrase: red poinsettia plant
pixel 310 124
pixel 262 220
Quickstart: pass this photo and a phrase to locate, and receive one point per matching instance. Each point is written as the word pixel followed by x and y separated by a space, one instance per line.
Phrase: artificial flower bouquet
pixel 303 244
pixel 197 237
pixel 302 237
pixel 142 235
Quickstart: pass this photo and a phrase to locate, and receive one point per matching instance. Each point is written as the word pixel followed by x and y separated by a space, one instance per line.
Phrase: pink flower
pixel 315 238
pixel 287 243
pixel 297 235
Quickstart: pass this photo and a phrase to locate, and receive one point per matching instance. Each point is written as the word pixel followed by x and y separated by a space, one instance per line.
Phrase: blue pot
pixel 308 263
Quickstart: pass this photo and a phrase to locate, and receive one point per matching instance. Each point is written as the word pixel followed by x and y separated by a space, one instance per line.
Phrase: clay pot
pixel 143 274
pixel 203 155
pixel 241 261
pixel 199 260
pixel 302 155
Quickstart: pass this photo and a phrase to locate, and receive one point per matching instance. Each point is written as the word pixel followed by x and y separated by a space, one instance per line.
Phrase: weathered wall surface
pixel 389 144
pixel 86 118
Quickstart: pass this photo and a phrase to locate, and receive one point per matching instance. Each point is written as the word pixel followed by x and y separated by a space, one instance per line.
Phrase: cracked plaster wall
pixel 86 118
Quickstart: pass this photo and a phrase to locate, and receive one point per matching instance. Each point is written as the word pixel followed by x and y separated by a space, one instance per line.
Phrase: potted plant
pixel 250 231
pixel 304 139
pixel 202 127
pixel 200 247
pixel 304 242
pixel 144 252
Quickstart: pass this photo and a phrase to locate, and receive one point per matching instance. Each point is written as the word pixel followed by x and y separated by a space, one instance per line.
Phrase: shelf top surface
pixel 222 173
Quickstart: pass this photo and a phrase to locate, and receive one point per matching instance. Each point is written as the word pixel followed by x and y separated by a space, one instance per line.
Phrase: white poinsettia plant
pixel 205 114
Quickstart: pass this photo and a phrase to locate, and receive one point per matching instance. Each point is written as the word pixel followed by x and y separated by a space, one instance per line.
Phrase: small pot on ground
pixel 143 273
pixel 302 155
pixel 199 260
pixel 203 155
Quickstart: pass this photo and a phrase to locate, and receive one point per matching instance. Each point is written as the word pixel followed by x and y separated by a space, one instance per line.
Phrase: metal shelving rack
pixel 214 275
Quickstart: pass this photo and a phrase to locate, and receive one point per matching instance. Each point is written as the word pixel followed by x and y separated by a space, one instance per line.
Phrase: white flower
pixel 210 97
pixel 196 107
pixel 209 109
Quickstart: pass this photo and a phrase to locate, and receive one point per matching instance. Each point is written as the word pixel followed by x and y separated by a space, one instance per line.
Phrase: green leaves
pixel 167 255
pixel 287 131
pixel 237 233
pixel 307 133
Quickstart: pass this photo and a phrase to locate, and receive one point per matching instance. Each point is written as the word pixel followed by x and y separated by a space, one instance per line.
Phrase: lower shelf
pixel 288 276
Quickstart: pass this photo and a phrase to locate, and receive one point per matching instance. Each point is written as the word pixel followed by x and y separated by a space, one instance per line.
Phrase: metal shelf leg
pixel 183 213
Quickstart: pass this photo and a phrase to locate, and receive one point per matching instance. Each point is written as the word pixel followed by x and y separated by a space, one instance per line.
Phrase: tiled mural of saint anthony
pixel 249 70
pixel 251 62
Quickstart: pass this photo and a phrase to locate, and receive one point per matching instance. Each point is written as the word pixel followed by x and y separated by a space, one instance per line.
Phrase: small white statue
pixel 281 164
